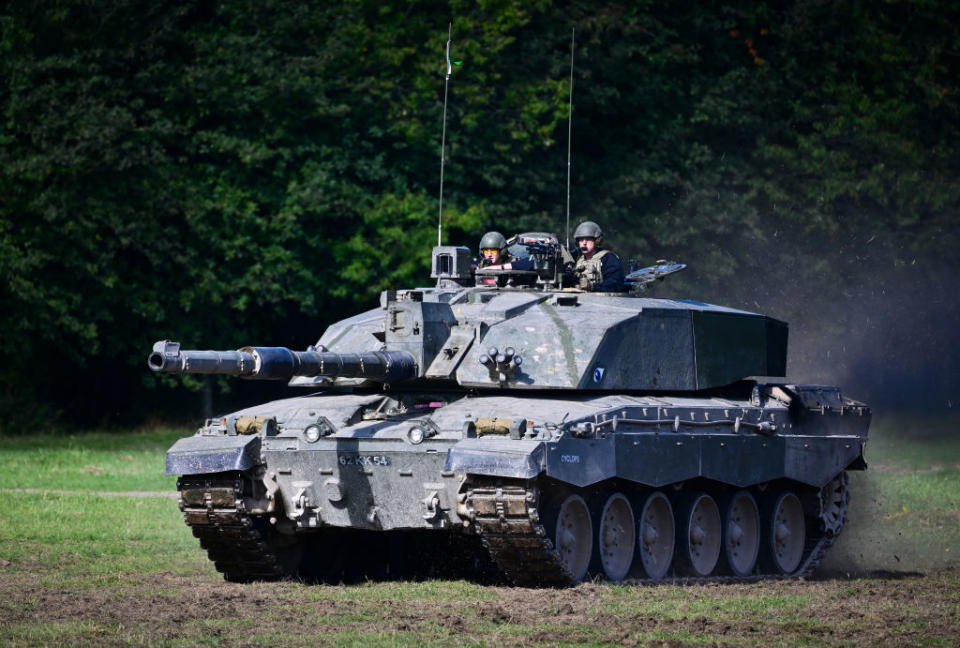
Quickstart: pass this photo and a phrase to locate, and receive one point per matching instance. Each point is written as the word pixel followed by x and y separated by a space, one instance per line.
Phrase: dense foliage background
pixel 225 173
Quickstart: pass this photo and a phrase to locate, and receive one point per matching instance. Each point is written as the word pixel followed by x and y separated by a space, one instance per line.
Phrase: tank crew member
pixel 596 269
pixel 493 249
pixel 494 255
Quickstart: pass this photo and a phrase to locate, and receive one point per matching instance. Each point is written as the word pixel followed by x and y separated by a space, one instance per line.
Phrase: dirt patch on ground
pixel 897 609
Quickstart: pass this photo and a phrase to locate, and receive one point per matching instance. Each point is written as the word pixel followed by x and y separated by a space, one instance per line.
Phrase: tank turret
pixel 564 338
pixel 567 339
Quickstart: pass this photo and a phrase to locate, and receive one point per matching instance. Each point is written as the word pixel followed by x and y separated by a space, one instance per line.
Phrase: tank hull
pixel 541 489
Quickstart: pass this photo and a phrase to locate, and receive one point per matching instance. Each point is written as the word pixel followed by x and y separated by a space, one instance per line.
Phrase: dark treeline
pixel 227 173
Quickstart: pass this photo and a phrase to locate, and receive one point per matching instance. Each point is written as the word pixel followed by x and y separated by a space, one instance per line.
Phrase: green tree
pixel 225 173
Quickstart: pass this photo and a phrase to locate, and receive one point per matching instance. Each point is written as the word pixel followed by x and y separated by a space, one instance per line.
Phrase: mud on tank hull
pixel 538 489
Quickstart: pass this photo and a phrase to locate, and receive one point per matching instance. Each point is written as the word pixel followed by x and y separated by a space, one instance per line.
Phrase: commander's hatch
pixel 452 352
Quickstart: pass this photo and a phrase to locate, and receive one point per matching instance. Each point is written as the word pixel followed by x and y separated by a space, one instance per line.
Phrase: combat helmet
pixel 493 241
pixel 589 229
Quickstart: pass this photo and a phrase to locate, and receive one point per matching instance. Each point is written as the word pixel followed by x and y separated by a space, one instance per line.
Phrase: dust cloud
pixel 889 336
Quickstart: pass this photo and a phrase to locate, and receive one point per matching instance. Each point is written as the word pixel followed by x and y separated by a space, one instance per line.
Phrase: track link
pixel 242 547
pixel 508 521
pixel 506 514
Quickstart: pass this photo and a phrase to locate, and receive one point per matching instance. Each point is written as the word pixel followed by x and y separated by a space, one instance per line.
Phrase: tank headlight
pixel 322 428
pixel 312 433
pixel 416 434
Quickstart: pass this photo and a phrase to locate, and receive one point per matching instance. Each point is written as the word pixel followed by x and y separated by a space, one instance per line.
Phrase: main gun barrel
pixel 281 363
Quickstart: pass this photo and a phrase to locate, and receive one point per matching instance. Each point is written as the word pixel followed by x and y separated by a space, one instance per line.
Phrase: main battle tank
pixel 501 424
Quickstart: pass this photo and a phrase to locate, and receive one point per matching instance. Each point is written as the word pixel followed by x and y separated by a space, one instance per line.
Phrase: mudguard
pixel 199 455
pixel 497 457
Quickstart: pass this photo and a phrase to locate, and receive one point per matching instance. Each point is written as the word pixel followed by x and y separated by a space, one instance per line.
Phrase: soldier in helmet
pixel 494 255
pixel 493 249
pixel 595 269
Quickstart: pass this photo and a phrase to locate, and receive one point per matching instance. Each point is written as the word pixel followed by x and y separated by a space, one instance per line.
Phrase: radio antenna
pixel 569 129
pixel 443 137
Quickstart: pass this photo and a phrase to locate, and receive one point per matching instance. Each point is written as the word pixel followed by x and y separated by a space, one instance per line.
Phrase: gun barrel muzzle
pixel 168 358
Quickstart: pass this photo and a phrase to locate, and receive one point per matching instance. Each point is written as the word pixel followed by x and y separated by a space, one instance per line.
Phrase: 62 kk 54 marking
pixel 362 460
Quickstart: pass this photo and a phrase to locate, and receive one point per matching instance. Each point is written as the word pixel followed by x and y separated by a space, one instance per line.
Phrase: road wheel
pixel 616 537
pixel 784 533
pixel 700 535
pixel 574 537
pixel 741 533
pixel 655 536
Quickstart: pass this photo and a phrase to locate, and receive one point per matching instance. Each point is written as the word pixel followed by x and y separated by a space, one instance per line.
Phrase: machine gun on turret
pixel 547 258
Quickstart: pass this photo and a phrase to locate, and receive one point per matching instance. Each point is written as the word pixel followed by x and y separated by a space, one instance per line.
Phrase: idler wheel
pixel 617 537
pixel 699 540
pixel 741 533
pixel 574 537
pixel 784 533
pixel 655 536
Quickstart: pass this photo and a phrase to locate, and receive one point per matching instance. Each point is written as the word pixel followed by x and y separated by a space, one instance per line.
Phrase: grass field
pixel 82 565
pixel 905 509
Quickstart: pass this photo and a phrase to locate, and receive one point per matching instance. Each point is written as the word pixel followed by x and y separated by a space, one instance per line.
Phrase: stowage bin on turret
pixel 520 430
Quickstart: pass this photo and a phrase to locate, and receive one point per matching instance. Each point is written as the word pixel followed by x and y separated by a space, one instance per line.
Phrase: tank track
pixel 506 514
pixel 243 548
pixel 246 548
